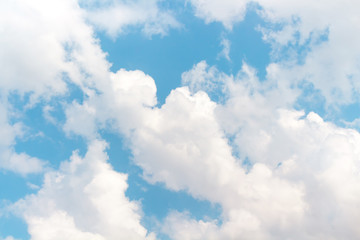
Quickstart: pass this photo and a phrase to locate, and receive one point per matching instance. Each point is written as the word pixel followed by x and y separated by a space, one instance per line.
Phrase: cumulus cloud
pixel 123 105
pixel 296 162
pixel 316 179
pixel 270 179
pixel 84 199
pixel 190 152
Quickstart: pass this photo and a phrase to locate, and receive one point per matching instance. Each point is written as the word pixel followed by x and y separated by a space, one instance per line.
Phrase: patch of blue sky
pixel 311 100
pixel 44 139
pixel 297 50
pixel 248 46
pixel 13 187
pixel 158 202
pixel 350 112
pixel 346 115
pixel 165 58
pixel 11 225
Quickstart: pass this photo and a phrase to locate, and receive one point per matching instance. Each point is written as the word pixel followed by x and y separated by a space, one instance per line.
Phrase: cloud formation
pixel 296 162
pixel 84 199
pixel 274 170
pixel 311 42
pixel 271 179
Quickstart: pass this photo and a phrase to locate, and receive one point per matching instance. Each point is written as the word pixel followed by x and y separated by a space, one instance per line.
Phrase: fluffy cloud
pixel 45 50
pixel 272 177
pixel 296 162
pixel 191 153
pixel 84 199
pixel 123 105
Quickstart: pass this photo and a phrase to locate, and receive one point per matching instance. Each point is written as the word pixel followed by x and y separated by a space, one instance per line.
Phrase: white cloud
pixel 227 12
pixel 226 44
pixel 123 105
pixel 297 162
pixel 185 148
pixel 168 142
pixel 80 119
pixel 114 16
pixel 203 77
pixel 84 199
pixel 317 40
pixel 184 144
pixel 332 65
pixel 43 46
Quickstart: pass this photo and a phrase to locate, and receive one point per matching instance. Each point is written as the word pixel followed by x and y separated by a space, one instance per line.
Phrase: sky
pixel 182 119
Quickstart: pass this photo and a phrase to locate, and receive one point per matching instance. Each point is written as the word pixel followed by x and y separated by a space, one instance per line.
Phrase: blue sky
pixel 179 119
